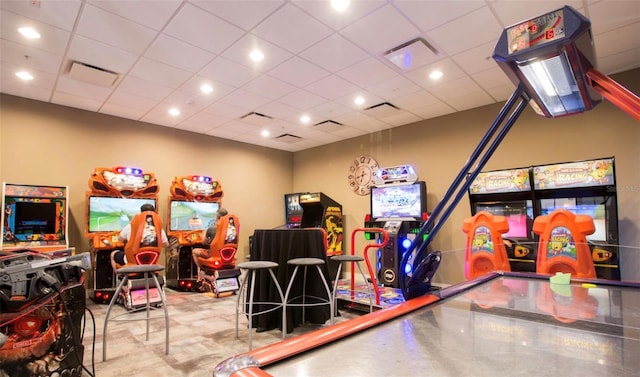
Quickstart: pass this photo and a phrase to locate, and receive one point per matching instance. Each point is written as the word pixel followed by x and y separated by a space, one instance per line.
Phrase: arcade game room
pixel 319 188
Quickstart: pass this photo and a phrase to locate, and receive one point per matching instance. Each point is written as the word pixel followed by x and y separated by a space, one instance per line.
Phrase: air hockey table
pixel 501 324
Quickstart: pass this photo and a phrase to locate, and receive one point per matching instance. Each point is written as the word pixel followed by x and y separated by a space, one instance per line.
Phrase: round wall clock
pixel 361 173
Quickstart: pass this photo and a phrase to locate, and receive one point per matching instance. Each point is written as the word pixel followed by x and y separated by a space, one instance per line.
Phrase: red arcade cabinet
pixel 115 197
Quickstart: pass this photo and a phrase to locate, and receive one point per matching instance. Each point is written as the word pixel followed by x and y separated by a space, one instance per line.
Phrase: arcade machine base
pixel 182 271
pixel 219 281
pixel 134 296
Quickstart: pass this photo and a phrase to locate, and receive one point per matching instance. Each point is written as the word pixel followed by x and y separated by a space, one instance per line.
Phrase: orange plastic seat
pixel 224 245
pixel 485 251
pixel 137 254
pixel 563 244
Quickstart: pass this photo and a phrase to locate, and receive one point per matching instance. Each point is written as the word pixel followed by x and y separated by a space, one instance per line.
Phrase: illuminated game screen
pixel 107 214
pixel 185 215
pixel 30 220
pixel 596 211
pixel 293 210
pixel 402 201
pixel 517 215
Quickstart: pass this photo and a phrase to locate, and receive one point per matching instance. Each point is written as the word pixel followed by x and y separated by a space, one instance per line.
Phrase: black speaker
pixel 102 271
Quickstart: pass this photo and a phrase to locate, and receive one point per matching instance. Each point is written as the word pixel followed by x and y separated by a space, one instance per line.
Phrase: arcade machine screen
pixel 403 201
pixel 581 206
pixel 519 215
pixel 34 218
pixel 186 215
pixel 109 214
pixel 292 210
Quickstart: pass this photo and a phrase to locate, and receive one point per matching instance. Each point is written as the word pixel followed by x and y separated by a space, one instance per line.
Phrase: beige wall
pixel 438 148
pixel 53 145
pixel 45 144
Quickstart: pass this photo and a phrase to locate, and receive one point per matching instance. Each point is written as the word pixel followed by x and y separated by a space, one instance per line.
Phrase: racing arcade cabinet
pixel 193 205
pixel 115 197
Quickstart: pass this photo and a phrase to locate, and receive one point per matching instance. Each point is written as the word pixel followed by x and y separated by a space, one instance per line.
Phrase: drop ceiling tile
pixel 18 89
pixel 71 86
pixel 204 121
pixel 122 111
pixel 415 100
pixel 401 119
pixel 380 31
pixel 163 74
pixel 242 98
pixel 159 116
pixel 202 29
pixel 394 88
pixel 277 110
pixel 121 99
pixel 36 60
pixel 338 20
pixel 618 40
pixel 452 89
pixel 151 13
pixel 470 100
pixel 101 55
pixel 467 32
pixel 491 78
pixel 178 54
pixel 370 99
pixel 61 14
pixel 239 126
pixel 40 87
pixel 70 100
pixel 329 110
pixel 511 12
pixel 605 17
pixel 450 72
pixel 620 62
pixel 331 87
pixel 273 55
pixel 225 110
pixel 429 14
pixel 367 72
pixel 433 110
pixel 228 72
pixel 334 53
pixel 298 72
pixel 269 87
pixel 52 39
pixel 284 26
pixel 244 14
pixel 225 132
pixel 477 59
pixel 503 92
pixel 348 132
pixel 187 102
pixel 193 85
pixel 114 30
pixel 302 99
pixel 144 88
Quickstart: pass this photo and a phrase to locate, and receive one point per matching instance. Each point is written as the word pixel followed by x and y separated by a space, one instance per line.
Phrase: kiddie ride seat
pixel 133 295
pixel 218 272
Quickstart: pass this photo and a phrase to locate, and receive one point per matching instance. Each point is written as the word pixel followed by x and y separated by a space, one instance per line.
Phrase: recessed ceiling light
pixel 174 112
pixel 305 119
pixel 340 5
pixel 359 100
pixel 28 32
pixel 24 75
pixel 256 55
pixel 265 133
pixel 435 75
pixel 206 88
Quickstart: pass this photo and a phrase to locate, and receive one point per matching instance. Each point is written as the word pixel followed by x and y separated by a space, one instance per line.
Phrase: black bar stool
pixel 305 262
pixel 147 271
pixel 353 259
pixel 251 268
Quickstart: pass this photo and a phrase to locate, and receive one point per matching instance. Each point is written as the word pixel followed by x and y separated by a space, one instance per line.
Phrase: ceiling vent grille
pixel 413 54
pixel 92 74
pixel 288 138
pixel 328 126
pixel 382 110
pixel 256 118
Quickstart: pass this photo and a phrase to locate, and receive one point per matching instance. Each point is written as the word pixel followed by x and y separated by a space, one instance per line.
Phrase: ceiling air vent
pixel 92 74
pixel 288 138
pixel 413 54
pixel 382 110
pixel 256 118
pixel 328 126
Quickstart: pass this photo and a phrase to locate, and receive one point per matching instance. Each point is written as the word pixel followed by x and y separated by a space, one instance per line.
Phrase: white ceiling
pixel 316 60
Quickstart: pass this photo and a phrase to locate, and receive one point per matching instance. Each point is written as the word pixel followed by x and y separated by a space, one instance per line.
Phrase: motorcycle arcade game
pixel 115 197
pixel 193 205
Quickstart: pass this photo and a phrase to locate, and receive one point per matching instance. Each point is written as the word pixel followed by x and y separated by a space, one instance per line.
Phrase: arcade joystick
pixel 420 281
